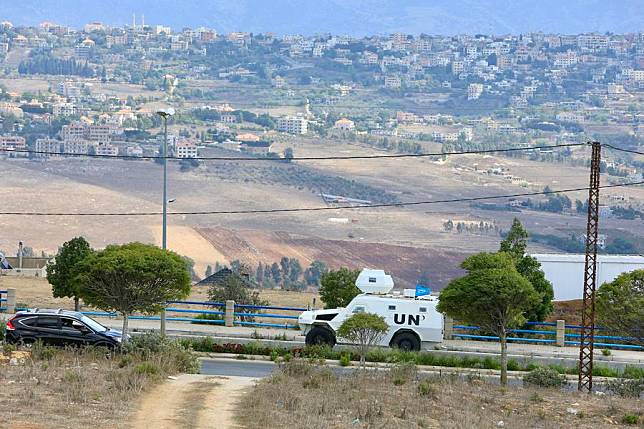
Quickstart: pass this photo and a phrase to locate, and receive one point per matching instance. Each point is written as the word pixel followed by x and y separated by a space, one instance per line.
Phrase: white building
pixel 106 149
pixel 393 82
pixel 566 272
pixel 64 109
pixel 345 124
pixel 293 125
pixel 76 146
pixel 186 149
pixel 47 145
pixel 474 91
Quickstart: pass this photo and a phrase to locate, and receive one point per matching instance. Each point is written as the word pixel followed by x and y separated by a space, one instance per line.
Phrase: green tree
pixel 364 330
pixel 233 288
pixel 314 272
pixel 620 305
pixel 63 272
pixel 133 278
pixel 493 295
pixel 338 288
pixel 288 154
pixel 515 245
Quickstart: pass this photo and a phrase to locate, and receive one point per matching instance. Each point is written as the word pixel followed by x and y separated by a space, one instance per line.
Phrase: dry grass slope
pixel 313 397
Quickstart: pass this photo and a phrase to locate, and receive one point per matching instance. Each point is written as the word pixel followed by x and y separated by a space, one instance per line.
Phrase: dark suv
pixel 59 328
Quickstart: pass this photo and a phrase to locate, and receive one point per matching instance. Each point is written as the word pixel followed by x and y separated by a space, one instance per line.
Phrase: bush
pixel 207 319
pixel 297 368
pixel 425 388
pixel 544 377
pixel 41 352
pixel 345 359
pixel 633 372
pixel 630 419
pixel 629 388
pixel 402 373
pixel 172 355
pixel 146 368
pixel 606 352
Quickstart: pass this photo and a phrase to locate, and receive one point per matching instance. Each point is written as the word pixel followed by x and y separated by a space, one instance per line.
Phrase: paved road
pixel 241 368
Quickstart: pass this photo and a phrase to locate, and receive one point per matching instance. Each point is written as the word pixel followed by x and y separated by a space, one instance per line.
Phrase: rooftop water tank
pixel 374 282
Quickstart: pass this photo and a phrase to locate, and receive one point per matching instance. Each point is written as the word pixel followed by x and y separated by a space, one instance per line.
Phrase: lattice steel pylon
pixel 590 276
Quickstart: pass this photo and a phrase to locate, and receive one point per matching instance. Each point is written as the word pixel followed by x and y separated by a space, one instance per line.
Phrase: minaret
pixel 134 21
pixel 142 21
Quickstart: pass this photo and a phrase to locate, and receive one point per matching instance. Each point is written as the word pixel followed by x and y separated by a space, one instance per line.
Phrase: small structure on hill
pixel 224 274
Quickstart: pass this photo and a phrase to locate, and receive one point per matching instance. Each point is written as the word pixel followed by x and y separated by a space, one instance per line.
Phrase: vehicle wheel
pixel 25 341
pixel 406 341
pixel 320 336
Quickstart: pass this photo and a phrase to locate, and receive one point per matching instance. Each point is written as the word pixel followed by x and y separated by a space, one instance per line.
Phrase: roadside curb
pixel 422 369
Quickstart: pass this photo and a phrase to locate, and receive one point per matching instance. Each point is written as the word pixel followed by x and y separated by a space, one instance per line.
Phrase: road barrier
pixel 563 335
pixel 239 314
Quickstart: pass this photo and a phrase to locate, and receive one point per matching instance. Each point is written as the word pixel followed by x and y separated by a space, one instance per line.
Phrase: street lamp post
pixel 165 113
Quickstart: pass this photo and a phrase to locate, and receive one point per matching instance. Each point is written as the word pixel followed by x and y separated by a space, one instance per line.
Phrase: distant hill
pixel 355 17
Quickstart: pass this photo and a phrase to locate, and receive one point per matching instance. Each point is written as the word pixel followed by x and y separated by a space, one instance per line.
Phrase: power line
pixel 623 150
pixel 325 208
pixel 304 158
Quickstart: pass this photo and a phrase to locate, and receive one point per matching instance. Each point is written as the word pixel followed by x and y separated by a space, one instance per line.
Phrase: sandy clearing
pixel 191 401
pixel 186 241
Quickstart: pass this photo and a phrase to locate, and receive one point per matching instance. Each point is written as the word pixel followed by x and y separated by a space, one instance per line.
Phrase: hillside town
pixel 549 88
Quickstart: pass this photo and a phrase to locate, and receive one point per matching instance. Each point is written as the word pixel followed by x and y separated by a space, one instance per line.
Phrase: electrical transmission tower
pixel 590 276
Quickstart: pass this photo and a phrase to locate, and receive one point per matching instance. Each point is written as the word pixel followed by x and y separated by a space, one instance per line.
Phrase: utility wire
pixel 324 208
pixel 304 158
pixel 623 150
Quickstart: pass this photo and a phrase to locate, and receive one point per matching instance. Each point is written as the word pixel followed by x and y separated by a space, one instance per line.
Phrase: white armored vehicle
pixel 413 320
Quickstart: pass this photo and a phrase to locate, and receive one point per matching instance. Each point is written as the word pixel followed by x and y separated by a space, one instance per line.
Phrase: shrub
pixel 296 368
pixel 41 352
pixel 633 372
pixel 630 388
pixel 174 355
pixel 345 359
pixel 8 348
pixel 544 377
pixel 207 319
pixel 630 419
pixel 606 352
pixel 425 388
pixel 146 368
pixel 402 373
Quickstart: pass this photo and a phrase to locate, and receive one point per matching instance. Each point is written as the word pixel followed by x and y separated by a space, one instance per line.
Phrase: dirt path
pixel 191 402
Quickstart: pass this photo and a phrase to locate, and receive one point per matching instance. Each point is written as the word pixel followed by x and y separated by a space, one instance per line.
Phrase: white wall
pixel 566 272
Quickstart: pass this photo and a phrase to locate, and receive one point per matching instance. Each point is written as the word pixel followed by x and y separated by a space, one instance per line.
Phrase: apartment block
pixel 293 125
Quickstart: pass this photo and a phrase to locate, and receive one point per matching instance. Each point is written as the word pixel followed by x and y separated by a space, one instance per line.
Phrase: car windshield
pixel 93 324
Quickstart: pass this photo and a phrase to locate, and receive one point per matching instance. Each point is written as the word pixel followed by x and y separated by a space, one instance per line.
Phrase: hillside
pixel 406 263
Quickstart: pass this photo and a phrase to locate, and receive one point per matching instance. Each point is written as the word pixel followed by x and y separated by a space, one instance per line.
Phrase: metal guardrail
pixel 240 315
pixel 617 341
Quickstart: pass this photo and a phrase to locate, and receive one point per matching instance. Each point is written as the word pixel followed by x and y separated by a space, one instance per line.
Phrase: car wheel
pixel 320 336
pixel 406 341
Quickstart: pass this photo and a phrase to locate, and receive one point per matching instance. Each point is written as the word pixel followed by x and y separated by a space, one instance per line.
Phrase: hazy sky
pixel 356 17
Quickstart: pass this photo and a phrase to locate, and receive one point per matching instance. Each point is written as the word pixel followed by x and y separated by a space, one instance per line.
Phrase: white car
pixel 412 320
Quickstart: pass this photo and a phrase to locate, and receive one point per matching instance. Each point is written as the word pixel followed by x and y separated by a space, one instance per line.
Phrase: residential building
pixel 47 145
pixel 107 149
pixel 186 149
pixel 393 82
pixel 63 109
pixel 293 125
pixel 13 146
pixel 474 91
pixel 76 146
pixel 345 124
pixel 257 148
